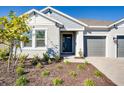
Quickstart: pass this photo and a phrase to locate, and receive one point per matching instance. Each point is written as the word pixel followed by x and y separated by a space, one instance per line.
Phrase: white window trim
pixel 34 41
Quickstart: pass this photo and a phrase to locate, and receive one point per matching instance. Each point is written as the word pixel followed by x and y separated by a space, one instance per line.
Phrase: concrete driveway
pixel 112 68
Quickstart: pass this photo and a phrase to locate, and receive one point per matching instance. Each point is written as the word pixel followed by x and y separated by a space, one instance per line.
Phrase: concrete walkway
pixel 112 68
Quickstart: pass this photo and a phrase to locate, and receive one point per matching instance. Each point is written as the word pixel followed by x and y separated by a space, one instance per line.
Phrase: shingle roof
pixel 93 22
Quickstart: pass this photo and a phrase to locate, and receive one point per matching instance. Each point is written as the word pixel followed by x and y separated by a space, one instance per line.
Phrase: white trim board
pixel 65 15
pixel 49 18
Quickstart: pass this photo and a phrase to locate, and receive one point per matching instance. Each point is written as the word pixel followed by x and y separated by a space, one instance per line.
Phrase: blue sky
pixel 90 12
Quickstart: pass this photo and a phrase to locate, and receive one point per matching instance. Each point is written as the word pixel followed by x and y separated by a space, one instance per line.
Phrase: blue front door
pixel 67 43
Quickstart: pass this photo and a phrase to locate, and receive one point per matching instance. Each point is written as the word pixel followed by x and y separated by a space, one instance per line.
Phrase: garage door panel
pixel 95 46
pixel 120 48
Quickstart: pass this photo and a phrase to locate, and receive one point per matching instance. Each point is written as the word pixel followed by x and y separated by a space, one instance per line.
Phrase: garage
pixel 120 46
pixel 94 46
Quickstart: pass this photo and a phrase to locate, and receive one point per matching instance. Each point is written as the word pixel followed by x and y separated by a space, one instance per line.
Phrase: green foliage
pixel 35 60
pixel 97 73
pixel 45 73
pixel 4 53
pixel 39 65
pixel 67 62
pixel 22 58
pixel 21 81
pixel 57 81
pixel 73 74
pixel 57 58
pixel 49 61
pixel 80 53
pixel 20 71
pixel 59 66
pixel 86 62
pixel 21 65
pixel 45 56
pixel 12 32
pixel 80 66
pixel 88 82
pixel 14 28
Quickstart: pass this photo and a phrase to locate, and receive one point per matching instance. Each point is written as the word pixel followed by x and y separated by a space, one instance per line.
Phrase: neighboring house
pixel 56 32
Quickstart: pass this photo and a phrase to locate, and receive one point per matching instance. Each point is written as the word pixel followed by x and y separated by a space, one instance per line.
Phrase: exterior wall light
pixel 115 40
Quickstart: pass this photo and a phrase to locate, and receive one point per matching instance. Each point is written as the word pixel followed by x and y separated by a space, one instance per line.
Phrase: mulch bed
pixel 33 74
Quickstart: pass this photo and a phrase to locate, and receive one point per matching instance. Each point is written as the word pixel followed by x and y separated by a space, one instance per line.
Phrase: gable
pixel 37 19
pixel 68 22
pixel 121 24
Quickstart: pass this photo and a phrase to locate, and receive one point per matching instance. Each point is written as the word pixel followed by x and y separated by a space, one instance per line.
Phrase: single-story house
pixel 57 32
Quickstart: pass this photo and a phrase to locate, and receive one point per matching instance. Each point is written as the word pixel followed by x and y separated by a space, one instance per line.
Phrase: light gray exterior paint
pixel 53 44
pixel 120 47
pixel 68 24
pixel 107 47
pixel 95 46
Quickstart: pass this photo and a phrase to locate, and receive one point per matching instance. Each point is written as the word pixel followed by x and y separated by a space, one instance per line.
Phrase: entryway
pixel 67 43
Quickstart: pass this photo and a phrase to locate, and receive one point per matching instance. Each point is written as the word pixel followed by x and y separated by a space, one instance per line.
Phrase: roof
pixel 94 22
pixel 34 10
pixel 63 14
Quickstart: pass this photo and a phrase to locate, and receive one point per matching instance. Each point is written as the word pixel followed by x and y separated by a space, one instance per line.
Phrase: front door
pixel 67 43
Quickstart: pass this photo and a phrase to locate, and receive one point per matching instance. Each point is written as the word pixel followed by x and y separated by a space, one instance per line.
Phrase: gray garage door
pixel 120 47
pixel 94 46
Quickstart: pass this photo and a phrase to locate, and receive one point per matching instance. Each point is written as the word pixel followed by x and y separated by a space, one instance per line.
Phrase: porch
pixel 71 42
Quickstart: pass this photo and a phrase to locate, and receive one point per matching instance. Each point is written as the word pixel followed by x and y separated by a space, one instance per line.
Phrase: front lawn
pixel 61 73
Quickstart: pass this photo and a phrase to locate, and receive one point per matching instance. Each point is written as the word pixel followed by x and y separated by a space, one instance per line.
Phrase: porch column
pixel 79 43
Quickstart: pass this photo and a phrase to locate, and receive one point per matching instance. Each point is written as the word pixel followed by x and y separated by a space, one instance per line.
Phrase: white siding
pixel 53 36
pixel 68 23
pixel 111 46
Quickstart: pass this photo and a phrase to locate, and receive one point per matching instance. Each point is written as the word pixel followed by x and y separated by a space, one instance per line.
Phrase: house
pixel 59 33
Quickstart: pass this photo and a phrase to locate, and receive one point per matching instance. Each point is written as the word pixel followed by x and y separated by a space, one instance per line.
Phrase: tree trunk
pixel 9 59
pixel 10 56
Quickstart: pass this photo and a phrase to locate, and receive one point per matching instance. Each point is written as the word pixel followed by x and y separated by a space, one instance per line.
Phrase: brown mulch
pixel 35 79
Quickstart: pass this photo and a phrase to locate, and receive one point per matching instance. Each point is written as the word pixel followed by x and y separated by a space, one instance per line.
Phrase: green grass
pixel 21 81
pixel 97 73
pixel 57 81
pixel 45 73
pixel 20 71
pixel 88 82
pixel 73 74
pixel 67 62
pixel 80 66
pixel 39 65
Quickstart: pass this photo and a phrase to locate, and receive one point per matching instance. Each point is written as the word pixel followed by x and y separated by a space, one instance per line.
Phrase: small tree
pixel 12 29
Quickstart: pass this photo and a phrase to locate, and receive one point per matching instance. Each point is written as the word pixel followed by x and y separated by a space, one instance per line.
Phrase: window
pixel 40 38
pixel 29 35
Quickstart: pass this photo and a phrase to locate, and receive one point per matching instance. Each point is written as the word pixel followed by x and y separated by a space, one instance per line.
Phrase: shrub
pixel 49 61
pixel 97 73
pixel 88 82
pixel 57 81
pixel 35 60
pixel 80 66
pixel 45 56
pixel 66 62
pixel 21 65
pixel 80 53
pixel 21 81
pixel 59 66
pixel 22 58
pixel 73 74
pixel 20 71
pixel 57 58
pixel 45 73
pixel 4 53
pixel 86 62
pixel 39 65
